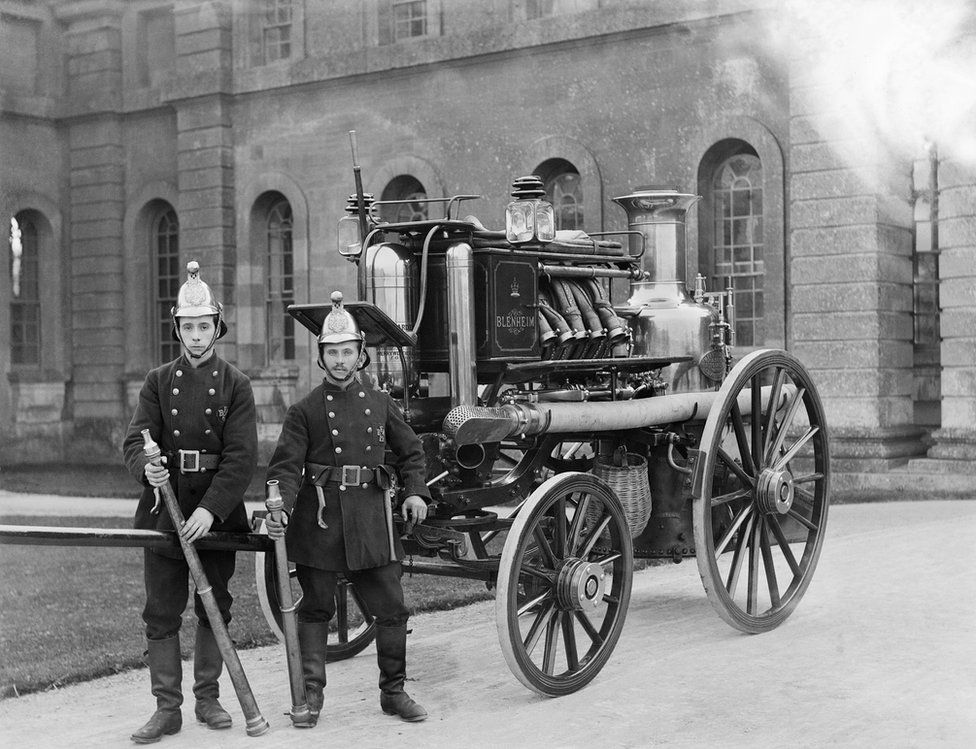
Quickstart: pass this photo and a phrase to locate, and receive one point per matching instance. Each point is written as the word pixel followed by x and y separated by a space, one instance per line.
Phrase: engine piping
pixel 478 424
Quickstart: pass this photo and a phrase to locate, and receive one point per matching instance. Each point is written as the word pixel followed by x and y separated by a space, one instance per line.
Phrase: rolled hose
pixel 566 304
pixel 556 321
pixel 593 322
pixel 616 328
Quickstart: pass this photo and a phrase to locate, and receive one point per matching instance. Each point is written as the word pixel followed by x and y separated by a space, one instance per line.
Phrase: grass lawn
pixel 70 614
pixel 89 481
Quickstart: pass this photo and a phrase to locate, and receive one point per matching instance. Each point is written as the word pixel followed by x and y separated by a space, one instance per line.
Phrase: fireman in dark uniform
pixel 329 463
pixel 200 410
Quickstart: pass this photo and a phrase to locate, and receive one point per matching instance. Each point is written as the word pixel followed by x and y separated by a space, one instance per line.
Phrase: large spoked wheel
pixel 353 627
pixel 761 491
pixel 564 584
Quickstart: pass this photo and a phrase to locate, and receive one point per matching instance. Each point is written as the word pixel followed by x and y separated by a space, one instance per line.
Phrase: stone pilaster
pixel 205 142
pixel 850 265
pixel 97 205
pixel 956 440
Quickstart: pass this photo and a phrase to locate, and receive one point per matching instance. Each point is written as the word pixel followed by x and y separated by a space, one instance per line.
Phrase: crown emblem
pixel 515 288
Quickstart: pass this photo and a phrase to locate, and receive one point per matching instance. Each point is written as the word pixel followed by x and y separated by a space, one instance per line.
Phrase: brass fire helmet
pixel 197 300
pixel 340 327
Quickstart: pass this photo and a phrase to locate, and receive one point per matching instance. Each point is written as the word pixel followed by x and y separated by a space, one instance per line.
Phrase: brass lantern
pixel 529 219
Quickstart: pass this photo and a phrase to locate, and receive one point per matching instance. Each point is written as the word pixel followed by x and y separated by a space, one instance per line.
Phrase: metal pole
pixel 301 717
pixel 256 724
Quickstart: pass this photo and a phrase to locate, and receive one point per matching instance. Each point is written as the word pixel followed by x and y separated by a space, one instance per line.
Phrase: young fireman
pixel 200 410
pixel 329 463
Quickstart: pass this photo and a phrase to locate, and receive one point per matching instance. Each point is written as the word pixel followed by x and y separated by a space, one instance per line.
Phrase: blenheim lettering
pixel 513 320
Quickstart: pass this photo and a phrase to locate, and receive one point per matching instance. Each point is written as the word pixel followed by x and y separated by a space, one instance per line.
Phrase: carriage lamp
pixel 348 232
pixel 529 219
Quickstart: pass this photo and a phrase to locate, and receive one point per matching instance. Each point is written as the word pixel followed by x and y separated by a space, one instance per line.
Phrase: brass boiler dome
pixel 664 318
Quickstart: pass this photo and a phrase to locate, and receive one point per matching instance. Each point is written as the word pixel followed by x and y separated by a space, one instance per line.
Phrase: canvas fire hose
pixel 255 722
pixel 301 717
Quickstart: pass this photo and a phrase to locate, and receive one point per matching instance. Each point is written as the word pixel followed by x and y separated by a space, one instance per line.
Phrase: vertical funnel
pixel 659 214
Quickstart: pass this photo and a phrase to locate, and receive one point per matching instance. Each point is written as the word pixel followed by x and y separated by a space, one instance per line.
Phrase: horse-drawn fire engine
pixel 569 432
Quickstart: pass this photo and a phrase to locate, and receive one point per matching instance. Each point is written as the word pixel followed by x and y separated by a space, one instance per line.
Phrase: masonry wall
pixel 631 93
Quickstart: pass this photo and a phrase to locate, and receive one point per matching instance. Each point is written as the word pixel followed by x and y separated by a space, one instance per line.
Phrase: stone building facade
pixel 138 134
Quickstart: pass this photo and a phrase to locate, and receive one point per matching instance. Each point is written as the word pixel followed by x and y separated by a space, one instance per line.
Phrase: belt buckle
pixel 189 467
pixel 348 472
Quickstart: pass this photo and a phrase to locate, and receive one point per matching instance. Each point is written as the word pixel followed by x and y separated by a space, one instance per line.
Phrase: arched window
pixel 25 301
pixel 166 281
pixel 408 189
pixel 737 247
pixel 280 279
pixel 564 190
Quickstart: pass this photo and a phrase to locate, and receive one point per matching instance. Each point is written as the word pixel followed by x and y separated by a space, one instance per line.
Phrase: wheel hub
pixel 775 491
pixel 580 585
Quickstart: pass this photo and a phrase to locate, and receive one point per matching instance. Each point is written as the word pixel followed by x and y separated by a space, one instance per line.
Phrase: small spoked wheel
pixel 564 584
pixel 353 628
pixel 761 491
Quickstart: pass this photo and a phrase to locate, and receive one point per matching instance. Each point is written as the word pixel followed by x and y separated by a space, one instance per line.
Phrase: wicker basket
pixel 631 485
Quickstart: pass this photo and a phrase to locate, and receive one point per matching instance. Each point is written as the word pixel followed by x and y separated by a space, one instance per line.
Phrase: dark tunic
pixel 211 409
pixel 357 426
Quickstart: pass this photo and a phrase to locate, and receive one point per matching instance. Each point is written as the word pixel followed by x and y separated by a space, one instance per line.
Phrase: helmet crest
pixel 195 299
pixel 339 326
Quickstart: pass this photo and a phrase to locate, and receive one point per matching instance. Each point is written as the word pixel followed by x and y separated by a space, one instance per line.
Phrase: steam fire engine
pixel 580 408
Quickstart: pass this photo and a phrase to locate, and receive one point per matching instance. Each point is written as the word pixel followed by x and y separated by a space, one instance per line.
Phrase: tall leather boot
pixel 391 656
pixel 313 638
pixel 166 676
pixel 207 666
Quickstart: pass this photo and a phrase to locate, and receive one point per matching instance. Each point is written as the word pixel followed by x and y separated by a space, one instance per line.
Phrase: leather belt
pixel 194 461
pixel 347 475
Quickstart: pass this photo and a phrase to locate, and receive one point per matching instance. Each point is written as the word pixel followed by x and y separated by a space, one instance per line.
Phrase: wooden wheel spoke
pixel 608 559
pixel 738 427
pixel 802 520
pixel 756 420
pixel 730 533
pixel 544 547
pixel 577 525
pixel 533 603
pixel 770 568
pixel 784 546
pixel 594 536
pixel 752 598
pixel 559 532
pixel 569 642
pixel 734 466
pixel 731 497
pixel 807 478
pixel 773 406
pixel 732 580
pixel 784 426
pixel 537 628
pixel 797 446
pixel 543 574
pixel 552 641
pixel 803 497
pixel 595 637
